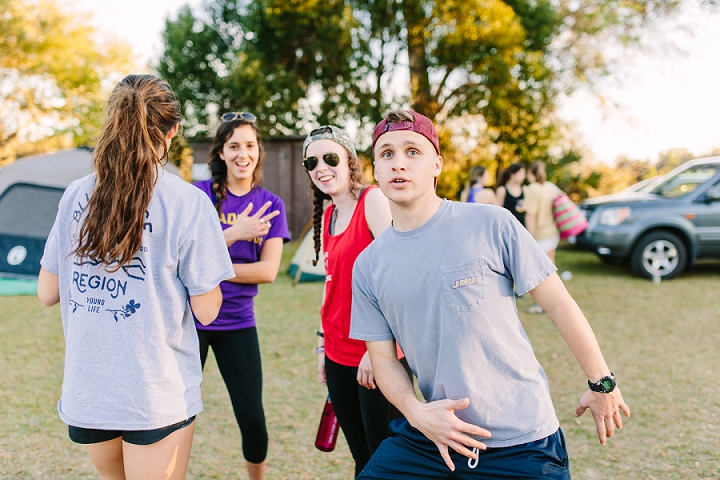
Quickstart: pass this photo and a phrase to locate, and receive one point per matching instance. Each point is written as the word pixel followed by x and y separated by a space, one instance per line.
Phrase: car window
pixel 714 191
pixel 685 181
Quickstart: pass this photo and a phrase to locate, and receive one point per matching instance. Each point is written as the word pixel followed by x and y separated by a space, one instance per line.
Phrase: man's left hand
pixel 605 409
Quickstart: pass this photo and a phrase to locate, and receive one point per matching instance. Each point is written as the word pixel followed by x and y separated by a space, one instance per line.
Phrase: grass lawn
pixel 662 342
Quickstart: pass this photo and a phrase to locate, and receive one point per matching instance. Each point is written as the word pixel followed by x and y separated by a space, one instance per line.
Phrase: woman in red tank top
pixel 356 216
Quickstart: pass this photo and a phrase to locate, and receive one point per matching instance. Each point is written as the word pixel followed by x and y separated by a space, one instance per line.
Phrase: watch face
pixel 608 384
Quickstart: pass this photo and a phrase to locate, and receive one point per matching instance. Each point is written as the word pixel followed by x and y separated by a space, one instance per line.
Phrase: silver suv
pixel 664 228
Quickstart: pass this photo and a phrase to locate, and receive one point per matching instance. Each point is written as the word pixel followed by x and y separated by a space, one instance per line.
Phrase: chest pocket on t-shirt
pixel 464 285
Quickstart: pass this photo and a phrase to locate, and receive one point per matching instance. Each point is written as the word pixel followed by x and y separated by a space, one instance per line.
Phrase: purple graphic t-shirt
pixel 237 308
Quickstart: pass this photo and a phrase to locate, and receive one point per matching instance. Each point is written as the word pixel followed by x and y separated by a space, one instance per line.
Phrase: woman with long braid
pixel 130 243
pixel 357 215
pixel 255 228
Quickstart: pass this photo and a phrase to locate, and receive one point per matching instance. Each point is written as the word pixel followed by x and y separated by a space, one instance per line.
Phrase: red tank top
pixel 340 252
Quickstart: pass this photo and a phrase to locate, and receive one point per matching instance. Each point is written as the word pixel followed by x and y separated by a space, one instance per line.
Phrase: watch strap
pixel 605 385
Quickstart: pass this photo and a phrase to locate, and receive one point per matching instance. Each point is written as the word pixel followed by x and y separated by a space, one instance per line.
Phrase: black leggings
pixel 237 353
pixel 363 414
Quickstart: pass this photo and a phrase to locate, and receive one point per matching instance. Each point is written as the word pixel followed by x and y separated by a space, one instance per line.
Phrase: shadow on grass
pixel 588 263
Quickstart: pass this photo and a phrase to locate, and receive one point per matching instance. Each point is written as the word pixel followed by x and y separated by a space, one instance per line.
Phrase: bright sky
pixel 664 100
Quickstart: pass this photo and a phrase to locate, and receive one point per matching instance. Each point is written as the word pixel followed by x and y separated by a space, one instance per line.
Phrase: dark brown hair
pixel 354 187
pixel 511 170
pixel 218 167
pixel 538 171
pixel 476 171
pixel 142 110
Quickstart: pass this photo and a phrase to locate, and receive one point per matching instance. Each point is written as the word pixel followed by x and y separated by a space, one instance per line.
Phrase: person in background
pixel 356 216
pixel 510 190
pixel 476 189
pixel 130 245
pixel 539 219
pixel 439 281
pixel 255 228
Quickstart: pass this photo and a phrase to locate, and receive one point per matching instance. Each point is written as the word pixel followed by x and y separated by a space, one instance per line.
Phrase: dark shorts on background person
pixel 86 436
pixel 408 454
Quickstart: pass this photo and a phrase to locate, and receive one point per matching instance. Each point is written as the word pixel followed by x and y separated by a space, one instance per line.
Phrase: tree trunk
pixel 417 24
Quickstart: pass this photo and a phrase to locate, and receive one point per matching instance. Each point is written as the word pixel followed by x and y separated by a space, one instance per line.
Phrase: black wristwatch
pixel 604 385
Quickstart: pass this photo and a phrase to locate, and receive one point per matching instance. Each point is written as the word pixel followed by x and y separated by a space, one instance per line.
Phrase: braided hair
pixel 354 187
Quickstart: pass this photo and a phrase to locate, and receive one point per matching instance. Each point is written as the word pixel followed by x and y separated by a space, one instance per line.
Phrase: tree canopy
pixel 488 71
pixel 54 73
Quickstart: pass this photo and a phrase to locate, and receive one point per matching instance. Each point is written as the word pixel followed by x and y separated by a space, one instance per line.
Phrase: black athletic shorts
pixel 87 436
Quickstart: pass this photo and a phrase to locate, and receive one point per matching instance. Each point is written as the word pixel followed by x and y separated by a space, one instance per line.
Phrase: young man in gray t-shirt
pixel 440 282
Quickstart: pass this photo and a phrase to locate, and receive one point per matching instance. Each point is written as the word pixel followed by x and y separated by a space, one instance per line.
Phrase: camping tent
pixel 301 268
pixel 30 190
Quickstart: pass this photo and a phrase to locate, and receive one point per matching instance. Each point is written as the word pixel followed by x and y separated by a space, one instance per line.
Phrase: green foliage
pixel 191 62
pixel 498 64
pixel 296 62
pixel 263 57
pixel 565 172
pixel 52 74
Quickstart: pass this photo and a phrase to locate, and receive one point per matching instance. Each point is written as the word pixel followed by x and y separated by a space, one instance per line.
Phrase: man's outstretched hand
pixel 605 409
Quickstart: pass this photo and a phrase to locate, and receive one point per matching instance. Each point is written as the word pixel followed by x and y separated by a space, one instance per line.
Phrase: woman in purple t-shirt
pixel 255 228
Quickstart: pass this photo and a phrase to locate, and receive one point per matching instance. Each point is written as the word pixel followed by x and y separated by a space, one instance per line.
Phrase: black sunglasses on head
pixel 332 159
pixel 230 116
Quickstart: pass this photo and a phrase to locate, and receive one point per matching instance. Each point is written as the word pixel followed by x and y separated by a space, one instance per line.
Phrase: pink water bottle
pixel 328 429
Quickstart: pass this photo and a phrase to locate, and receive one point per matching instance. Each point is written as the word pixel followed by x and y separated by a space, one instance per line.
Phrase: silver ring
pixel 262 221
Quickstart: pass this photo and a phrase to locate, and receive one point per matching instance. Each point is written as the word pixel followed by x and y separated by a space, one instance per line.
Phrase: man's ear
pixel 437 169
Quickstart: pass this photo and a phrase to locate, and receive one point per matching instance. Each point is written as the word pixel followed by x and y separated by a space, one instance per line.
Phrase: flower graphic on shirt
pixel 131 308
pixel 75 305
pixel 126 311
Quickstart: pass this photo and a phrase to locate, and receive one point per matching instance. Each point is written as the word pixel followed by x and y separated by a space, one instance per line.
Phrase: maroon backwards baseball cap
pixel 421 124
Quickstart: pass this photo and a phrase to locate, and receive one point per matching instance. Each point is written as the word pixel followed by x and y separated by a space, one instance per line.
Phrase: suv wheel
pixel 659 252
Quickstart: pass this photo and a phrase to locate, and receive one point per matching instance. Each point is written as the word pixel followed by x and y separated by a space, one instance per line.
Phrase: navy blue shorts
pixel 87 436
pixel 408 454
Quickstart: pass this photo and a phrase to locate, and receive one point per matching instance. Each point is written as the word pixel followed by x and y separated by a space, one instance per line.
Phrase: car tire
pixel 659 252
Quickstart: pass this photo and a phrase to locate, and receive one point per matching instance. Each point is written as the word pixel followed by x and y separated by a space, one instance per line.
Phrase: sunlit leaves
pixel 55 72
pixel 269 54
pixel 495 64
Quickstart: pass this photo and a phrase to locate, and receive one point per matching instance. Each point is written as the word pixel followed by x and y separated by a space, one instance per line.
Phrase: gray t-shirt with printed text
pixel 132 358
pixel 444 291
